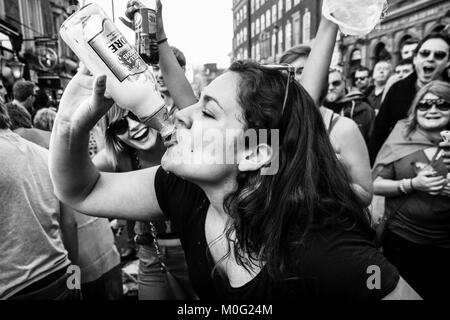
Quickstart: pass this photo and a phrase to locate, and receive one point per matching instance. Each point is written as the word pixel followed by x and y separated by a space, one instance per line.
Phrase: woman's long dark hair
pixel 272 214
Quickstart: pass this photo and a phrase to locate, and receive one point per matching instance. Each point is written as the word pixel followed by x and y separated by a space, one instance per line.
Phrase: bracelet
pixel 402 187
pixel 411 184
pixel 162 41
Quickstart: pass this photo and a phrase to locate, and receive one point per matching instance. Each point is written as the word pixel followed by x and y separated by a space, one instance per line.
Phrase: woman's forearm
pixel 364 195
pixel 73 173
pixel 387 188
pixel 315 73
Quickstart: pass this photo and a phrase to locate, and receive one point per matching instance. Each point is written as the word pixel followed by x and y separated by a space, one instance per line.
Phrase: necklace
pixel 135 159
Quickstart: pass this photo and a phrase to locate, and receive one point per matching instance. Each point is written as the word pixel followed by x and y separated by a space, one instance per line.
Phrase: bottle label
pixel 116 52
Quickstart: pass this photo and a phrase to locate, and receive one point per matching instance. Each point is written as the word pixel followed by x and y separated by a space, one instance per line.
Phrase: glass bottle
pixel 100 45
pixel 144 24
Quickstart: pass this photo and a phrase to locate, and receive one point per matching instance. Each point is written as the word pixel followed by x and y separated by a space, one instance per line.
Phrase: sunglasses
pixel 121 126
pixel 440 104
pixel 290 69
pixel 361 78
pixel 336 83
pixel 438 55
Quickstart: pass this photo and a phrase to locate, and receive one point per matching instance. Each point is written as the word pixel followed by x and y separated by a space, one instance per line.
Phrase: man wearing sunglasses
pixel 362 80
pixel 431 59
pixel 352 105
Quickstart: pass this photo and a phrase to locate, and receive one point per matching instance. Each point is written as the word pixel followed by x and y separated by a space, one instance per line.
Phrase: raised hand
pixel 135 5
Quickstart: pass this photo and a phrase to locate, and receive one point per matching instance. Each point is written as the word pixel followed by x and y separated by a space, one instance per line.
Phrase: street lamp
pixel 17 68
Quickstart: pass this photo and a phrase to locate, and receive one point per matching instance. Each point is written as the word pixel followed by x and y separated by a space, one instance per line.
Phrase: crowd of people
pixel 228 231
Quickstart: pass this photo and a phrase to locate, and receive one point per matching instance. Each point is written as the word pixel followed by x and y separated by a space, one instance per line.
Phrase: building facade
pixel 35 40
pixel 264 29
pixel 405 19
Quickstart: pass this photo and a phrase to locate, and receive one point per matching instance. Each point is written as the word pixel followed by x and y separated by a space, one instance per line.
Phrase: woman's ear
pixel 256 158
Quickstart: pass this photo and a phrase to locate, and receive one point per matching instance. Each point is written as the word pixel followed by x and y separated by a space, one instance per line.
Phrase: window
pixel 296 28
pixel 274 43
pixel 2 9
pixel 274 13
pixel 280 40
pixel 268 22
pixel 296 2
pixel 31 15
pixel 263 22
pixel 245 11
pixel 258 52
pixel 252 7
pixel 306 26
pixel 288 35
pixel 245 34
pixel 288 5
pixel 280 8
pixel 258 26
pixel 253 29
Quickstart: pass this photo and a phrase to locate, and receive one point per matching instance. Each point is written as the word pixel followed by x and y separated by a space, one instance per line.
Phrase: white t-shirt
pixel 31 246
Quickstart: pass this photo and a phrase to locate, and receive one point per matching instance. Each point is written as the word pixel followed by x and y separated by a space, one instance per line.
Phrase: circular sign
pixel 48 58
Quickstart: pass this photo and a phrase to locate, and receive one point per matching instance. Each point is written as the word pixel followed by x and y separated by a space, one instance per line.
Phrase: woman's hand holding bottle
pixel 83 102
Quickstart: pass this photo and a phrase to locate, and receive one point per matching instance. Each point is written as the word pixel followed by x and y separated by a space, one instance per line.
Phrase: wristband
pixel 162 41
pixel 411 184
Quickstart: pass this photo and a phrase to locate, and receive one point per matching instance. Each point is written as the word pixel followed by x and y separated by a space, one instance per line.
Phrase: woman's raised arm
pixel 174 75
pixel 315 73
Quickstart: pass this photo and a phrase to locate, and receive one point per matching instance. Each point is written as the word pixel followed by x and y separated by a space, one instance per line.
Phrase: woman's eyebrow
pixel 208 98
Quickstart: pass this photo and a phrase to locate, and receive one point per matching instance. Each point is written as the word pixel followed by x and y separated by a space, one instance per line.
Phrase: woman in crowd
pixel 131 146
pixel 411 174
pixel 345 136
pixel 44 119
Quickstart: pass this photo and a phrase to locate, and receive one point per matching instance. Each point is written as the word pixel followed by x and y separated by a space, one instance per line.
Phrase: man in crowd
pixel 431 59
pixel 404 68
pixel 38 235
pixel 352 105
pixel 24 93
pixel 362 80
pixel 22 125
pixel 161 83
pixel 408 48
pixel 381 73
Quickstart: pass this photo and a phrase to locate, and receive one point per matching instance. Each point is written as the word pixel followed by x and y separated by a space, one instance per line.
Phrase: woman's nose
pixel 433 109
pixel 184 117
pixel 133 125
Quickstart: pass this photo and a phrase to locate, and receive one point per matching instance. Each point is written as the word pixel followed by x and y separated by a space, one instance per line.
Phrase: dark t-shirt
pixel 334 263
pixel 395 107
pixel 418 217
